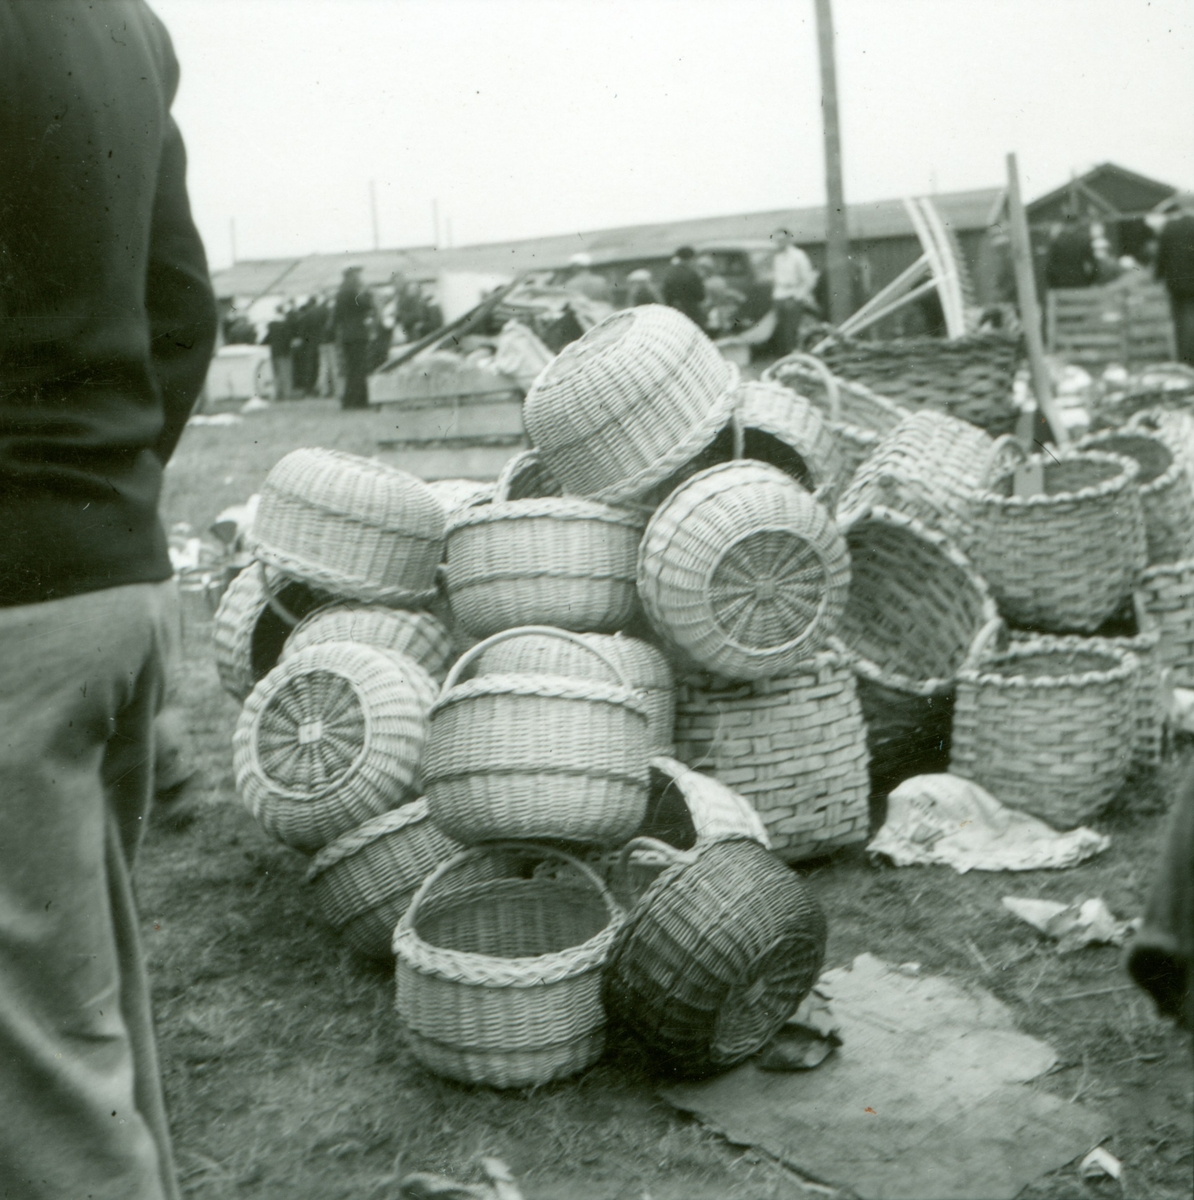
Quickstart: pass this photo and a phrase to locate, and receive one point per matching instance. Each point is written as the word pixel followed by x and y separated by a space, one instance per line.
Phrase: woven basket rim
pixel 558 508
pixel 834 654
pixel 365 834
pixel 351 587
pixel 1126 667
pixel 555 687
pixel 1130 469
pixel 642 653
pixel 1167 479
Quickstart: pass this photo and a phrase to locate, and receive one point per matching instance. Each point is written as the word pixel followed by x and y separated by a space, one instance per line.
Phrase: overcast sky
pixel 526 117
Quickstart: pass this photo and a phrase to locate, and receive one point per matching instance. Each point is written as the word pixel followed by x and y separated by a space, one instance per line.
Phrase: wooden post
pixel 1030 312
pixel 837 243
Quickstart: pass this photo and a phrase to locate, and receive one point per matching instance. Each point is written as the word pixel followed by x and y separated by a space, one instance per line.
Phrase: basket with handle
pixel 330 738
pixel 537 756
pixel 715 956
pixel 364 880
pixel 1047 725
pixel 552 561
pixel 743 570
pixel 418 635
pixel 526 477
pixel 499 968
pixel 794 746
pixel 351 526
pixel 1165 490
pixel 1065 559
pixel 628 404
pixel 646 670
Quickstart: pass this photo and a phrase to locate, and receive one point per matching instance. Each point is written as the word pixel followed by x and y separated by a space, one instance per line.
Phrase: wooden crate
pixel 1100 325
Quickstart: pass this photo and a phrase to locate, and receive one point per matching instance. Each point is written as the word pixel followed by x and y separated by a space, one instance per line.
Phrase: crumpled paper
pixel 1073 925
pixel 949 820
pixel 806 1040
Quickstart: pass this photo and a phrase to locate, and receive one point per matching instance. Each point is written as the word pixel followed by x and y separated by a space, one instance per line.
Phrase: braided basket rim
pixel 353 587
pixel 559 508
pixel 365 834
pixel 555 687
pixel 1130 469
pixel 1167 479
pixel 1126 667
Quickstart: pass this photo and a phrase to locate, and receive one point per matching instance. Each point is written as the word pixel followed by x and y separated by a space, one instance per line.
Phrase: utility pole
pixel 448 231
pixel 837 242
pixel 232 236
pixel 373 213
pixel 435 223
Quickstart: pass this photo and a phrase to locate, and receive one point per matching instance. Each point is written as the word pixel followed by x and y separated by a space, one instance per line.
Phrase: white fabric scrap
pixel 1072 925
pixel 951 821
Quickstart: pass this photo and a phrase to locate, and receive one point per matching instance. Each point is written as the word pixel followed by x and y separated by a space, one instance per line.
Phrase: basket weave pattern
pixel 1168 593
pixel 525 477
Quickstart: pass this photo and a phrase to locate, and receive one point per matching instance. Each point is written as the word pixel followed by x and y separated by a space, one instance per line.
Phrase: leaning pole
pixel 837 242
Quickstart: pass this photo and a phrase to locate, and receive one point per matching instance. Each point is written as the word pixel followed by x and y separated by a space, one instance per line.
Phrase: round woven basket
pixel 553 561
pixel 330 738
pixel 628 404
pixel 644 667
pixel 715 957
pixel 1165 490
pixel 525 477
pixel 499 977
pixel 351 526
pixel 256 614
pixel 418 635
pixel 537 756
pixel 1063 560
pixel 364 880
pixel 743 570
pixel 1047 726
pixel 1175 428
pixel 795 747
pixel 1168 594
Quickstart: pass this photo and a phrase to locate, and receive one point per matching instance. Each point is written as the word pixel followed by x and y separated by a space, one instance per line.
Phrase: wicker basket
pixel 499 978
pixel 330 738
pixel 418 635
pixel 537 756
pixel 743 570
pixel 1175 428
pixel 795 747
pixel 715 957
pixel 364 880
pixel 351 526
pixel 628 404
pixel 456 494
pixel 256 614
pixel 857 417
pixel 525 477
pixel 914 610
pixel 1168 594
pixel 1047 726
pixel 645 668
pixel 968 377
pixel 553 561
pixel 1165 490
pixel 1066 559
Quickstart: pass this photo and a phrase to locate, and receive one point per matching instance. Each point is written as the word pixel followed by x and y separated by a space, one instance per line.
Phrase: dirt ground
pixel 286 1071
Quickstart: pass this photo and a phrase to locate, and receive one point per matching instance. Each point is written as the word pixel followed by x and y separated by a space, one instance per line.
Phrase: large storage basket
pixel 364 880
pixel 1047 726
pixel 551 561
pixel 255 616
pixel 1168 593
pixel 537 756
pixel 418 635
pixel 629 403
pixel 1175 428
pixel 645 669
pixel 794 746
pixel 715 957
pixel 1165 490
pixel 330 738
pixel 969 377
pixel 526 477
pixel 1063 560
pixel 743 570
pixel 499 970
pixel 351 526
pixel 914 609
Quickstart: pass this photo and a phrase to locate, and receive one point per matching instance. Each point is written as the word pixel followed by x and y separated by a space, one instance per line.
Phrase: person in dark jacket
pixel 683 288
pixel 1071 261
pixel 107 324
pixel 1175 268
pixel 353 317
pixel 279 335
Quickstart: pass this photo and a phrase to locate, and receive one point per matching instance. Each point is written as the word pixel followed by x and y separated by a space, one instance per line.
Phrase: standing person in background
pixel 683 288
pixel 353 316
pixel 1070 261
pixel 792 290
pixel 107 323
pixel 641 289
pixel 1175 268
pixel 328 383
pixel 278 336
pixel 307 328
pixel 586 282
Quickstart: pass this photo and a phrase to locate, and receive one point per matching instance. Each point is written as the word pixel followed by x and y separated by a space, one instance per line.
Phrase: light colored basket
pixel 644 667
pixel 364 880
pixel 1047 727
pixel 418 635
pixel 455 494
pixel 526 477
pixel 1175 428
pixel 1168 594
pixel 351 526
pixel 743 570
pixel 628 404
pixel 1064 560
pixel 499 978
pixel 552 561
pixel 715 957
pixel 537 756
pixel 795 747
pixel 330 738
pixel 1165 490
